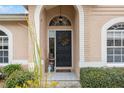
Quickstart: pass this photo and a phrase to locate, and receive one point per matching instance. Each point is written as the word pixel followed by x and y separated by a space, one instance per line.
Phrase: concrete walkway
pixel 62 76
pixel 65 79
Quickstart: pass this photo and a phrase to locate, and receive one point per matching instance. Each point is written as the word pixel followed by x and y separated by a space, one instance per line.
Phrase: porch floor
pixel 57 76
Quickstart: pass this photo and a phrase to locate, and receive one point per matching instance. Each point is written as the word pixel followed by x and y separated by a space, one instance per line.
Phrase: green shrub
pixel 18 78
pixel 102 77
pixel 7 70
pixel 1 70
pixel 2 75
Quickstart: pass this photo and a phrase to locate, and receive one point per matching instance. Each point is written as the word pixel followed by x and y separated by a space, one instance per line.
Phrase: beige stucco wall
pixel 31 9
pixel 44 37
pixel 66 10
pixel 95 18
pixel 20 40
pixel 76 44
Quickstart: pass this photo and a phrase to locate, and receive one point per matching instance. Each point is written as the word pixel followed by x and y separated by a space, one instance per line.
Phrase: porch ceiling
pixel 47 7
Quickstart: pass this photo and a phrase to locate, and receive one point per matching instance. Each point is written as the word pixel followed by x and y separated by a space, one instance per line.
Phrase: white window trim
pixel 104 41
pixel 80 10
pixel 10 45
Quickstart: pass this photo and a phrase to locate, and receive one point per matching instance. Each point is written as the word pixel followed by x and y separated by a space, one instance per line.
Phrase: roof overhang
pixel 13 17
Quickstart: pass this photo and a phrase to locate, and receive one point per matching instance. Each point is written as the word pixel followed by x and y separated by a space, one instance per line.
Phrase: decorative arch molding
pixel 79 10
pixel 104 37
pixel 10 43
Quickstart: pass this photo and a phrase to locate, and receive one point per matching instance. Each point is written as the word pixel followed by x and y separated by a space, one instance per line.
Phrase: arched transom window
pixel 115 43
pixel 60 21
pixel 3 47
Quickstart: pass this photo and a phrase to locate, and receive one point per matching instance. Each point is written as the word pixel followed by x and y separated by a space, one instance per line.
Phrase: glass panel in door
pixel 63 49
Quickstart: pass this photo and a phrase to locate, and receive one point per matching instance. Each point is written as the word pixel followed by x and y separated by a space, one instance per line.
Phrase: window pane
pixel 5 39
pixel 110 34
pixel 60 21
pixel 122 58
pixel 5 53
pixel 1 59
pixel 0 40
pixel 117 34
pixel 123 42
pixel 118 42
pixel 122 50
pixel 117 50
pixel 122 34
pixel 5 47
pixel 1 53
pixel 5 59
pixel 0 47
pixel 110 43
pixel 109 58
pixel 51 47
pixel 109 50
pixel 2 33
pixel 117 59
pixel 117 26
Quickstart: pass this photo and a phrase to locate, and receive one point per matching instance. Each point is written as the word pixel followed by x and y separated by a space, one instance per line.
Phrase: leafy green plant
pixel 9 69
pixel 34 84
pixel 0 69
pixel 18 78
pixel 37 59
pixel 2 75
pixel 102 77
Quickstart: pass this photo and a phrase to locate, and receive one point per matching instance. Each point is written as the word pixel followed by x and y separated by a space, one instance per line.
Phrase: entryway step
pixel 69 84
pixel 63 76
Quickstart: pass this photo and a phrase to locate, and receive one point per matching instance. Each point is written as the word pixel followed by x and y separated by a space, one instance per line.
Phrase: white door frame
pixel 71 68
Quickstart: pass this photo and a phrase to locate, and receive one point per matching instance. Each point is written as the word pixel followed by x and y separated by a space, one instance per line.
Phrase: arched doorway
pixel 79 35
pixel 60 44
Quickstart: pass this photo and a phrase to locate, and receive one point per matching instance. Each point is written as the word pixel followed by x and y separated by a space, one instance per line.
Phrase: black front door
pixel 63 49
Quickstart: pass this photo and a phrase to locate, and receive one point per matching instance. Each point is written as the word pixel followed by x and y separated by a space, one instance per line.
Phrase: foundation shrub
pixel 0 69
pixel 18 78
pixel 2 76
pixel 9 69
pixel 102 77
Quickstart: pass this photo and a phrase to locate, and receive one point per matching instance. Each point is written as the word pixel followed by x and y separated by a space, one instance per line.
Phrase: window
pixel 3 47
pixel 118 26
pixel 115 43
pixel 60 21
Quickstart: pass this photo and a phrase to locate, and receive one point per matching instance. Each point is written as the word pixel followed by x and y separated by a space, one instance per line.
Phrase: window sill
pixel 3 64
pixel 115 64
